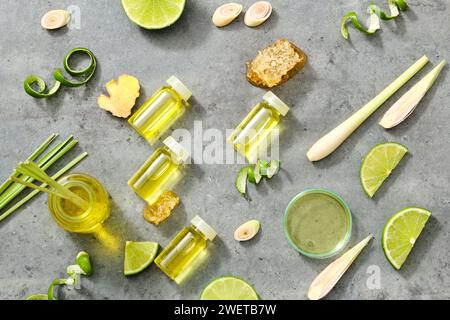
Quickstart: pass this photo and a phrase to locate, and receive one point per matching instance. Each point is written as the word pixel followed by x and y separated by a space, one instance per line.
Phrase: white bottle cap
pixel 177 149
pixel 179 87
pixel 276 102
pixel 204 228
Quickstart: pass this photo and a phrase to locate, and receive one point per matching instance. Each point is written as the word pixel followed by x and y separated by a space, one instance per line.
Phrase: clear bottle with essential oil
pixel 161 111
pixel 183 251
pixel 257 126
pixel 161 171
pixel 71 217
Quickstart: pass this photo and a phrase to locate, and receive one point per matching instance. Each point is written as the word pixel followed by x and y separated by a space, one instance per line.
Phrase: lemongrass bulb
pixel 226 14
pixel 258 13
pixel 55 19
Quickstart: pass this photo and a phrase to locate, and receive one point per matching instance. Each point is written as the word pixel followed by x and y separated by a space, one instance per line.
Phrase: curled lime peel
pixel 82 267
pixel 395 6
pixel 85 74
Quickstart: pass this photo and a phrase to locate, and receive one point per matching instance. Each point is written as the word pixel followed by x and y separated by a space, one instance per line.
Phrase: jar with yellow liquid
pixel 180 255
pixel 256 128
pixel 161 111
pixel 73 218
pixel 161 171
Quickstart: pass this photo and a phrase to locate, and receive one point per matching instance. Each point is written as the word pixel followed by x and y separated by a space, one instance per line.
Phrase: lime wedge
pixel 229 288
pixel 39 296
pixel 378 164
pixel 241 180
pixel 401 232
pixel 138 256
pixel 153 14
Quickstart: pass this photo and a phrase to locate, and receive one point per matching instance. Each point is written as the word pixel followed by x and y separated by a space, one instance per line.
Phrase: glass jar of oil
pixel 69 216
pixel 161 111
pixel 256 128
pixel 160 172
pixel 179 257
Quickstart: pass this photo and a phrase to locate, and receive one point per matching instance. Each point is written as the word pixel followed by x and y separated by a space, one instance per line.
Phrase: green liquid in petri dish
pixel 317 223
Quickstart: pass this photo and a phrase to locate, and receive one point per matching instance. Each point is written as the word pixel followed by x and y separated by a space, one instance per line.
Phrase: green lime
pixel 378 164
pixel 401 232
pixel 138 256
pixel 229 288
pixel 241 180
pixel 154 14
pixel 39 296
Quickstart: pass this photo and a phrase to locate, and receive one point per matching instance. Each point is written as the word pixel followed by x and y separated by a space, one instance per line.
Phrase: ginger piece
pixel 275 64
pixel 161 209
pixel 122 96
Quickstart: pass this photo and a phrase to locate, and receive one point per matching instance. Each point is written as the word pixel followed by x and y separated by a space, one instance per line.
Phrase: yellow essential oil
pixel 72 218
pixel 256 129
pixel 161 111
pixel 185 248
pixel 160 172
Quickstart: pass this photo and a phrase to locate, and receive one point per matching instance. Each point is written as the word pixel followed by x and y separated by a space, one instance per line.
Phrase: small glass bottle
pixel 258 125
pixel 161 110
pixel 69 216
pixel 160 172
pixel 185 248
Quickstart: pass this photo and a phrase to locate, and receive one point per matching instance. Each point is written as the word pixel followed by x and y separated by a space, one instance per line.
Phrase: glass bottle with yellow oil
pixel 73 218
pixel 180 255
pixel 161 111
pixel 257 126
pixel 161 171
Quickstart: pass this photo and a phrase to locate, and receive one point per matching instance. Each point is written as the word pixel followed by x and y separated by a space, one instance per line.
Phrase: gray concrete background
pixel 340 77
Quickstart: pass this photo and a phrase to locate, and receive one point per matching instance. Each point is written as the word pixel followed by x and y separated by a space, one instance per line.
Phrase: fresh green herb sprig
pixel 395 6
pixel 83 267
pixel 86 74
pixel 254 174
pixel 9 190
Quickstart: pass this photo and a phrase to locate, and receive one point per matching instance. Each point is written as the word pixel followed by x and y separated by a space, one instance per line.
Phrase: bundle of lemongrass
pixel 34 169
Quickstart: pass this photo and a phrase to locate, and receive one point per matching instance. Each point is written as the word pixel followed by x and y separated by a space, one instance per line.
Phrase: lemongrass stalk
pixel 331 141
pixel 50 158
pixel 404 106
pixel 32 170
pixel 39 188
pixel 328 278
pixel 32 194
pixel 32 157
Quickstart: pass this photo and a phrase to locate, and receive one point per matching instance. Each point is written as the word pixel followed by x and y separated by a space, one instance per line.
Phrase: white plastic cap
pixel 178 150
pixel 276 102
pixel 204 228
pixel 179 87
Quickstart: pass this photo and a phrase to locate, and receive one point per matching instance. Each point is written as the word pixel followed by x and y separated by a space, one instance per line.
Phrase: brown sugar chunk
pixel 275 64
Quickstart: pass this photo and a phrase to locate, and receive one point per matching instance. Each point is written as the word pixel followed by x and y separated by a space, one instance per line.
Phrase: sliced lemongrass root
pixel 409 101
pixel 32 194
pixel 226 14
pixel 328 278
pixel 247 230
pixel 332 140
pixel 258 13
pixel 55 19
pixel 395 6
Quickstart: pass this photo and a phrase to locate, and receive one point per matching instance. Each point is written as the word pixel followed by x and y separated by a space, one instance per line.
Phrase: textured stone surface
pixel 339 78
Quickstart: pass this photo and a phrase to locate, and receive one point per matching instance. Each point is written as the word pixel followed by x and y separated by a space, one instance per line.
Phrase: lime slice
pixel 229 288
pixel 153 14
pixel 378 164
pixel 401 232
pixel 138 256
